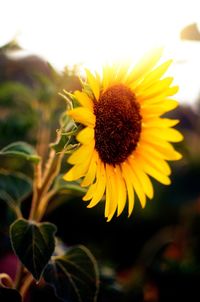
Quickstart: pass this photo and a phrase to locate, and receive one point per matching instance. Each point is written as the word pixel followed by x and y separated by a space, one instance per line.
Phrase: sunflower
pixel 125 140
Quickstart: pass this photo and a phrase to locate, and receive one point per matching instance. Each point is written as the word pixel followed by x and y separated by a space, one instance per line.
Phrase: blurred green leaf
pixel 9 294
pixel 74 275
pixel 63 185
pixel 45 88
pixel 33 243
pixel 14 187
pixel 22 150
pixel 15 92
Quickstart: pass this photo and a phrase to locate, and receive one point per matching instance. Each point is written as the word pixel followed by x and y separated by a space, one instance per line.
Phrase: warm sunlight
pixel 68 32
pixel 99 150
pixel 94 32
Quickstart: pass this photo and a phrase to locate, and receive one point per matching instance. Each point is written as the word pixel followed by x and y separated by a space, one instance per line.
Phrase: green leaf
pixel 9 294
pixel 66 186
pixel 14 187
pixel 74 275
pixel 33 243
pixel 22 150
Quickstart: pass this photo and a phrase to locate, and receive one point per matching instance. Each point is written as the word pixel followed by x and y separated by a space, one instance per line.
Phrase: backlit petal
pixel 94 83
pixel 83 116
pixel 84 99
pixel 144 66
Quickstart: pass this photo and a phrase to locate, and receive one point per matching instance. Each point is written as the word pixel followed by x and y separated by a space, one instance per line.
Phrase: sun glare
pixel 92 32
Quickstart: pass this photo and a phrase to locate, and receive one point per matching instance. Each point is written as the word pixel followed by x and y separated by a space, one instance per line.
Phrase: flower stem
pixel 25 286
pixel 47 194
pixel 35 192
pixel 19 275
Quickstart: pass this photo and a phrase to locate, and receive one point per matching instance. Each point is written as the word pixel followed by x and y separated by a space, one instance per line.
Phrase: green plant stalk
pixel 42 193
pixel 47 194
pixel 19 275
pixel 36 182
pixel 25 286
pixel 40 199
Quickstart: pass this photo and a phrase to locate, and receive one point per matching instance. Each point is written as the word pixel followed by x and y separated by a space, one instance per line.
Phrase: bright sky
pixel 66 32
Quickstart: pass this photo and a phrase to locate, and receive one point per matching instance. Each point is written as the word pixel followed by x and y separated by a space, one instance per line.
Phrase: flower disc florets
pixel 118 124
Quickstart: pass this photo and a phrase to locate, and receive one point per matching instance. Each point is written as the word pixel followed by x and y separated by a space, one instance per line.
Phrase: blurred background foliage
pixel 152 256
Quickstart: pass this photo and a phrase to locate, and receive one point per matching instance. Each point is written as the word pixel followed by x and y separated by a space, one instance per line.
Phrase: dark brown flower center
pixel 118 124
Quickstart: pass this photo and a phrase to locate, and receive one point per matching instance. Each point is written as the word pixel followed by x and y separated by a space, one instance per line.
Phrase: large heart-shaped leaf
pixel 33 243
pixel 74 275
pixel 14 187
pixel 22 150
pixel 8 294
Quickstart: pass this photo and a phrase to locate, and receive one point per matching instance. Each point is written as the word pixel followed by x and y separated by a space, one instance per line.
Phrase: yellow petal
pixel 129 188
pixel 85 135
pixel 107 77
pixel 77 171
pixel 150 170
pixel 121 191
pixel 90 193
pixel 142 177
pixel 144 66
pixel 100 185
pixel 154 99
pixel 168 134
pixel 158 109
pixel 161 147
pixel 160 150
pixel 157 162
pixel 121 71
pixel 111 203
pixel 94 84
pixel 82 153
pixel 159 122
pixel 83 116
pixel 155 89
pixel 84 99
pixel 91 173
pixel 154 75
pixel 136 184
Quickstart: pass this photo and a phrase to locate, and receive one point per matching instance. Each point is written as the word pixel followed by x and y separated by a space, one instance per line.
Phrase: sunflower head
pixel 125 139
